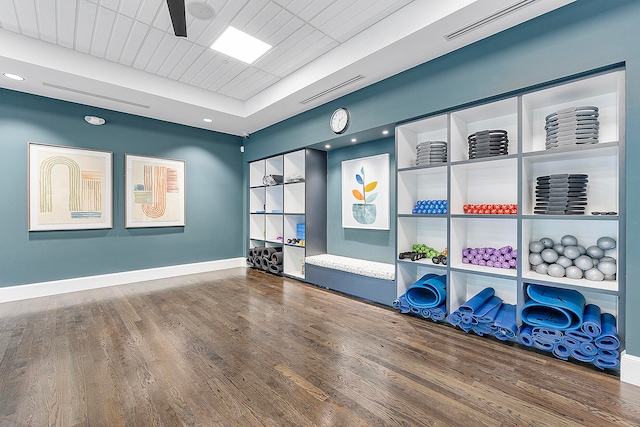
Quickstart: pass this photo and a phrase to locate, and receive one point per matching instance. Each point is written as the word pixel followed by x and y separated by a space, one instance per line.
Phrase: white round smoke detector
pixel 200 10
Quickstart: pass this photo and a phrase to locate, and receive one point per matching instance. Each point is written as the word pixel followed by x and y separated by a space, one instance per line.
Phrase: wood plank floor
pixel 244 348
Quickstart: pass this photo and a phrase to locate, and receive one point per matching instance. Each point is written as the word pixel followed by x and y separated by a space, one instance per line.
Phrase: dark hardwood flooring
pixel 244 348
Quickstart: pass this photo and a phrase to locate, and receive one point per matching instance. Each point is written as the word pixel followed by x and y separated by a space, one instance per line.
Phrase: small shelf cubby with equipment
pixel 287 202
pixel 559 183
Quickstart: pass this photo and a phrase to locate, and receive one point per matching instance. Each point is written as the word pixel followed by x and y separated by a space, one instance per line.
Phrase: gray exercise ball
pixel 595 252
pixel 559 248
pixel 606 243
pixel 594 275
pixel 607 268
pixel 569 240
pixel 547 242
pixel 535 259
pixel 556 270
pixel 536 247
pixel 542 268
pixel 583 262
pixel 549 255
pixel 564 261
pixel 571 252
pixel 573 272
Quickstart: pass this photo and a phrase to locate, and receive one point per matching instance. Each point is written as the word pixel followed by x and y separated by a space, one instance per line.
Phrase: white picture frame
pixel 365 193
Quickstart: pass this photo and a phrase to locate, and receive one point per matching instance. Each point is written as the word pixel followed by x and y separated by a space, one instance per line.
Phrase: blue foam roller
pixel 546 334
pixel 525 335
pixel 608 339
pixel 578 335
pixel 439 313
pixel 488 311
pixel 561 351
pixel 477 301
pixel 505 324
pixel 578 355
pixel 553 308
pixel 425 312
pixel 592 324
pixel 589 348
pixel 602 363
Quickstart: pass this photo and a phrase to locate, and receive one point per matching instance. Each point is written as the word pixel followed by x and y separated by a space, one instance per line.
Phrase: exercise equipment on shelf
pixel 266 258
pixel 426 297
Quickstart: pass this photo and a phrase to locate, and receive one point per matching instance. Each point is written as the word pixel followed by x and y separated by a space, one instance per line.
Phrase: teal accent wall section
pixel 581 37
pixel 213 182
pixel 372 245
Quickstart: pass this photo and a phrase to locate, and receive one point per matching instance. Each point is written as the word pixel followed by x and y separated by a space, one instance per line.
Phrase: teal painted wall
pixel 214 193
pixel 585 35
pixel 374 245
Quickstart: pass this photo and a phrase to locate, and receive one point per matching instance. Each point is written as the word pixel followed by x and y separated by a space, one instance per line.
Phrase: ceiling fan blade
pixel 178 17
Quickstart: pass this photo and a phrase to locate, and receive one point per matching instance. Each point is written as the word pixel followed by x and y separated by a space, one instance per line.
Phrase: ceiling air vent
pixel 336 87
pixel 95 95
pixel 488 19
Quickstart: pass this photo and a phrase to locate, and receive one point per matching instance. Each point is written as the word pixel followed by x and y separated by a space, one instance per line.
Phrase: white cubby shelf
pixel 511 179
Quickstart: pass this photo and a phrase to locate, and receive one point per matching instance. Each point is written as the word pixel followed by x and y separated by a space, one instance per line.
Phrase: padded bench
pixel 370 280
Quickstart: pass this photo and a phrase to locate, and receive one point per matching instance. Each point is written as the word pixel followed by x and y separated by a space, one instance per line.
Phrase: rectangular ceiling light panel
pixel 240 46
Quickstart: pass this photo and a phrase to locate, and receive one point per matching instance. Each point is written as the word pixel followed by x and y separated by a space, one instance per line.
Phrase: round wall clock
pixel 340 120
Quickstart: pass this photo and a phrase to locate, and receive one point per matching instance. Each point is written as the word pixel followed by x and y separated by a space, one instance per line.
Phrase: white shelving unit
pixel 511 179
pixel 276 210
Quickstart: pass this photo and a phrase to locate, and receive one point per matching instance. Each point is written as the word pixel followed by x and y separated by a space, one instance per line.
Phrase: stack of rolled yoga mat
pixel 427 298
pixel 266 258
pixel 559 321
pixel 486 314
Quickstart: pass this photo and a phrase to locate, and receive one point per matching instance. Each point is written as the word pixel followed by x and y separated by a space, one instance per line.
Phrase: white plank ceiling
pixel 109 51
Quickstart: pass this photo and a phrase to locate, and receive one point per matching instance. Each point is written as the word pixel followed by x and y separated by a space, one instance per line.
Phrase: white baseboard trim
pixel 630 369
pixel 43 289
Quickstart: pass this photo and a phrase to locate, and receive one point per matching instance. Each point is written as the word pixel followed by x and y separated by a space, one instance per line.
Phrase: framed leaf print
pixel 365 193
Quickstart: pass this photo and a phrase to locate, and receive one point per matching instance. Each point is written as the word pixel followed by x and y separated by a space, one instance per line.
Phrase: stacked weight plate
pixel 561 194
pixel 430 152
pixel 488 143
pixel 572 126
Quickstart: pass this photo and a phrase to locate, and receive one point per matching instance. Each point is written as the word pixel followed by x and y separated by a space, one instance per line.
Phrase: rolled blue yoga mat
pixel 477 301
pixel 454 318
pixel 415 310
pixel 468 319
pixel 403 305
pixel 482 329
pixel 525 335
pixel 425 312
pixel 578 335
pixel 542 345
pixel 488 311
pixel 561 351
pixel 430 291
pixel 608 354
pixel 579 355
pixel 553 308
pixel 439 313
pixel 505 324
pixel 546 334
pixel 571 342
pixel 465 327
pixel 606 363
pixel 592 325
pixel 588 348
pixel 608 339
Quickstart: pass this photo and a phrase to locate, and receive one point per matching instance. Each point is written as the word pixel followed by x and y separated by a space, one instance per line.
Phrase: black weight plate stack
pixel 572 126
pixel 561 194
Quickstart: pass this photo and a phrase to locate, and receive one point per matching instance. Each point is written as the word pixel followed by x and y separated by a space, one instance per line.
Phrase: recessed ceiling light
pixel 327 146
pixel 240 45
pixel 385 132
pixel 207 120
pixel 354 140
pixel 13 76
